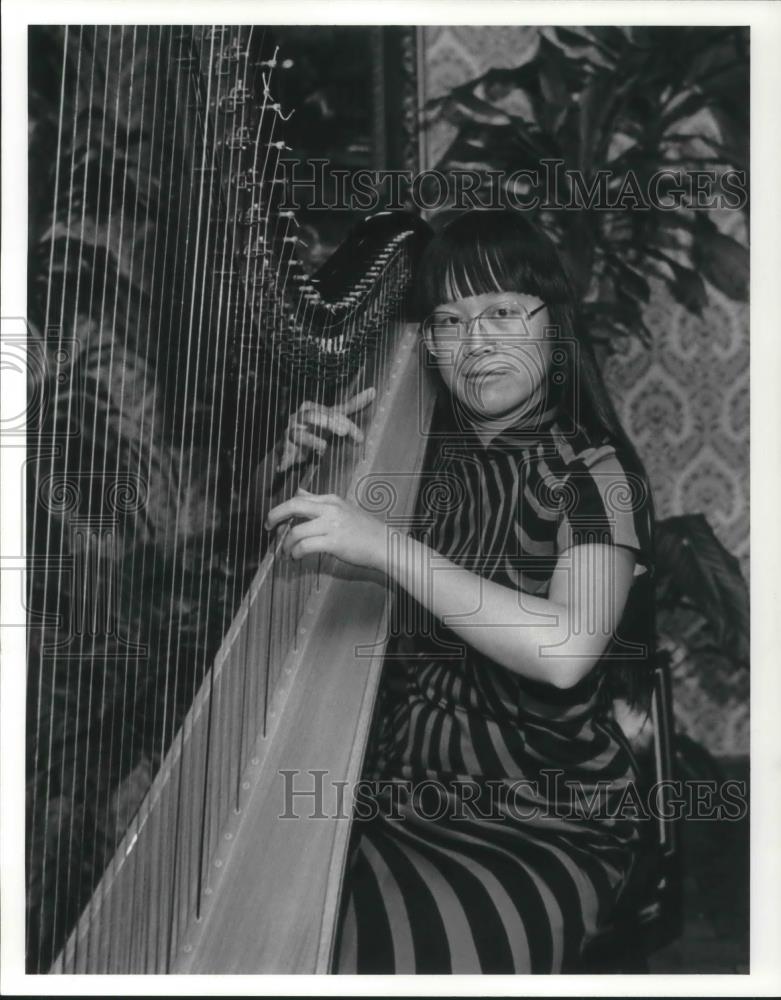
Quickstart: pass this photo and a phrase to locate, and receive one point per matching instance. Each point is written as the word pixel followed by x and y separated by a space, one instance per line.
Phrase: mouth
pixel 481 374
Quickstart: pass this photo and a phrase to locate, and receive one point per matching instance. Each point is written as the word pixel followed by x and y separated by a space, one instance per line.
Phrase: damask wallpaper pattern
pixel 684 402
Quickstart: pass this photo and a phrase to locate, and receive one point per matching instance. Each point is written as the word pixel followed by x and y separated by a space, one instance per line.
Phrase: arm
pixel 557 639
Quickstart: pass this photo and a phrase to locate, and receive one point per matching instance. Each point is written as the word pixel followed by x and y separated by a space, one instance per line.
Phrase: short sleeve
pixel 603 502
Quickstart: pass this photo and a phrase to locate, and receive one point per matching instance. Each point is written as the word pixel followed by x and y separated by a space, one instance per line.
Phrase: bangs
pixel 474 273
pixel 490 251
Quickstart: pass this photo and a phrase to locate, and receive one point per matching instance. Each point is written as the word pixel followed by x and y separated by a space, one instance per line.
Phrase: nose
pixel 476 343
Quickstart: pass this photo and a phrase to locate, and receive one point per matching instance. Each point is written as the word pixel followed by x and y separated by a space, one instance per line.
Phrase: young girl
pixel 489 835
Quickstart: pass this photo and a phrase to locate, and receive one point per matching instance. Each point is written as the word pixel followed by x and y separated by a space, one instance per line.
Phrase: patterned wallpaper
pixel 685 403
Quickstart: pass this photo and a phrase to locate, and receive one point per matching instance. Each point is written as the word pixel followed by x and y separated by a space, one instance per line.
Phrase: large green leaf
pixel 626 100
pixel 693 567
pixel 686 285
pixel 633 283
pixel 722 260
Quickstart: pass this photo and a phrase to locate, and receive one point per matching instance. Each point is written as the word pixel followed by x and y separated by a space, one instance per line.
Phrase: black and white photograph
pixel 378 405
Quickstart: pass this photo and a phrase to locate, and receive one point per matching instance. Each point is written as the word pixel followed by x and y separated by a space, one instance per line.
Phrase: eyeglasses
pixel 505 320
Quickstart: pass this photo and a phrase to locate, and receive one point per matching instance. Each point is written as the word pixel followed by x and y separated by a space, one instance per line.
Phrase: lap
pixel 439 896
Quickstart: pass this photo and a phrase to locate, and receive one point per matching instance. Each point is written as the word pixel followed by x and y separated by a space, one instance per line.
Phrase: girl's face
pixel 491 351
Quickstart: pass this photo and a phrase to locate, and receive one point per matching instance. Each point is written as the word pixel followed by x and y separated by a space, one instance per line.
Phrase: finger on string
pixel 308 408
pixel 337 423
pixel 297 506
pixel 326 498
pixel 304 438
pixel 292 454
pixel 306 529
pixel 358 401
pixel 308 546
pixel 289 459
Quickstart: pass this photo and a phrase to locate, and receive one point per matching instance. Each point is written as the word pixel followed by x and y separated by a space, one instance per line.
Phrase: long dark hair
pixel 481 251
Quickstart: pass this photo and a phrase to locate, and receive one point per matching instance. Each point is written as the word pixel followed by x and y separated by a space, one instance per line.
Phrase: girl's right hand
pixel 301 438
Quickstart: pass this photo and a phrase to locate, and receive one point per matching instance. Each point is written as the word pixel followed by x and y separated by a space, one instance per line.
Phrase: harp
pixel 187 686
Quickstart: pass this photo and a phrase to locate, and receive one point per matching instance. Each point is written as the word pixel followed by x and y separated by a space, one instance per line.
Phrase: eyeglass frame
pixel 468 323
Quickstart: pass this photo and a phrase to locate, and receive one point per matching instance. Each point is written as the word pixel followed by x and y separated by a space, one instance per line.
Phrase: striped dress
pixel 489 834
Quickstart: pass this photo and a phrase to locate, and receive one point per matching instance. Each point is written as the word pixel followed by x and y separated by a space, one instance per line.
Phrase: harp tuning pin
pixel 256 249
pixel 272 62
pixel 277 108
pixel 236 98
pixel 232 52
pixel 253 216
pixel 249 178
pixel 240 138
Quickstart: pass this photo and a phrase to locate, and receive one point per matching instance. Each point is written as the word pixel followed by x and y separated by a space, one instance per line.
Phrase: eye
pixel 506 310
pixel 443 319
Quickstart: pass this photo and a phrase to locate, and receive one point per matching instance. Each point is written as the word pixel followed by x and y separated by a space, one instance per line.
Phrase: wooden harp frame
pixel 271 898
pixel 262 893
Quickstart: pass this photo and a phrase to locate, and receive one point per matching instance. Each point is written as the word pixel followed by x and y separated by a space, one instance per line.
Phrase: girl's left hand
pixel 331 525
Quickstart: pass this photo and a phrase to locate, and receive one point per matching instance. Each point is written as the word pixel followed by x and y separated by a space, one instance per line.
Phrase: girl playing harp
pixel 491 835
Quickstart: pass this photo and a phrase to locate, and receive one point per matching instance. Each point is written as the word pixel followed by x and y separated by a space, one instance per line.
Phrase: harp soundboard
pixel 198 705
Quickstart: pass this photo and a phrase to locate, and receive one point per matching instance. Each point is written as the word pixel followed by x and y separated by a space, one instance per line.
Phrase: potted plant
pixel 622 116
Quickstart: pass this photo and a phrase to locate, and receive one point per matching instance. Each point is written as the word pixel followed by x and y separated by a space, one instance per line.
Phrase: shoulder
pixel 581 447
pixel 583 452
pixel 603 494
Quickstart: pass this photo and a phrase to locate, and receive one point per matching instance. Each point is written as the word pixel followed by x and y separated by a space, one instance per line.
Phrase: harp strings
pixel 197 356
pixel 184 845
pixel 167 550
pixel 137 882
pixel 185 853
pixel 248 718
pixel 244 426
pixel 49 525
pixel 186 359
pixel 108 918
pixel 137 110
pixel 69 414
pixel 97 462
pixel 142 880
pixel 197 854
pixel 100 838
pixel 38 744
pixel 225 255
pixel 85 620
